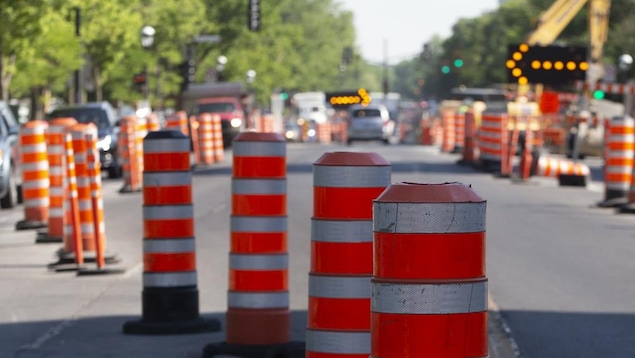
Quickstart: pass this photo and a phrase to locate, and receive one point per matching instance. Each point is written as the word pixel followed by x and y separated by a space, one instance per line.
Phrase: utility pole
pixel 78 73
pixel 384 81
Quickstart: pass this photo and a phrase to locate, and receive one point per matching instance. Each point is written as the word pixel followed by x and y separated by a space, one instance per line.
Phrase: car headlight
pixel 236 122
pixel 290 134
pixel 1 156
pixel 104 143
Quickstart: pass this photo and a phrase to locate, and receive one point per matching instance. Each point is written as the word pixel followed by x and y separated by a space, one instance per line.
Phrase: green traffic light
pixel 445 70
pixel 598 94
pixel 284 96
pixel 458 63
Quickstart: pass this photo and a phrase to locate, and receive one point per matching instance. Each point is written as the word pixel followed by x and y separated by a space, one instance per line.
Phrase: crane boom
pixel 598 27
pixel 553 21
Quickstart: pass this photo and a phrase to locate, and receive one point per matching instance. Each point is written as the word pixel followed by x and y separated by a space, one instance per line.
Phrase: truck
pixel 310 106
pixel 229 100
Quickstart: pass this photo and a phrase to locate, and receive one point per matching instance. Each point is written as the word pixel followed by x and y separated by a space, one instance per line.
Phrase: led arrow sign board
pixel 548 65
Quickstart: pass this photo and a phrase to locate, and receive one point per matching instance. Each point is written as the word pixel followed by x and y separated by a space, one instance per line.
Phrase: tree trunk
pixel 99 93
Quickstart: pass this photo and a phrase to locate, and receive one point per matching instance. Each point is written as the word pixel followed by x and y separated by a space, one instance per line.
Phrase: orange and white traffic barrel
pixel 429 289
pixel 219 149
pixel 196 149
pixel 153 123
pixel 469 139
pixel 324 132
pixel 618 167
pixel 127 147
pixel 170 289
pixel 73 243
pixel 178 121
pixel 141 130
pixel 258 318
pixel 206 138
pixel 58 189
pixel 492 141
pixel 448 123
pixel 556 167
pixel 344 187
pixel 35 175
pixel 459 132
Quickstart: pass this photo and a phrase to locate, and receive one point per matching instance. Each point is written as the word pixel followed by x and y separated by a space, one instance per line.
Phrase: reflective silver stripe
pixel 341 231
pixel 87 228
pixel 155 246
pixel 33 148
pixel 56 170
pixel 443 298
pixel 168 212
pixel 259 300
pixel 166 145
pixel 258 262
pixel 56 212
pixel 85 204
pixel 167 179
pixel 259 186
pixel 36 203
pixel 351 177
pixel 258 224
pixel 428 217
pixel 339 287
pixel 170 279
pixel 35 167
pixel 35 184
pixel 337 342
pixel 259 149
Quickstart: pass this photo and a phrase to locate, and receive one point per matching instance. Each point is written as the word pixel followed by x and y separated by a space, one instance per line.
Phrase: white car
pixel 371 122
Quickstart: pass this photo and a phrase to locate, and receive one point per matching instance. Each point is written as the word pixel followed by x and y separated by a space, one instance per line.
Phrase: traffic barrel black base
pixel 287 350
pixel 98 271
pixel 572 180
pixel 68 258
pixel 613 199
pixel 30 225
pixel 42 237
pixel 627 209
pixel 128 189
pixel 170 311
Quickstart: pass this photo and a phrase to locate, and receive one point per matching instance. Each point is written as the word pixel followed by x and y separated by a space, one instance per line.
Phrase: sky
pixel 404 25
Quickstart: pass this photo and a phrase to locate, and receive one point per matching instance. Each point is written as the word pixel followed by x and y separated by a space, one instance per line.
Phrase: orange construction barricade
pixel 219 149
pixel 35 175
pixel 344 187
pixel 492 141
pixel 258 316
pixel 58 189
pixel 618 167
pixel 206 139
pixel 429 289
pixel 127 147
pixel 170 290
pixel 178 121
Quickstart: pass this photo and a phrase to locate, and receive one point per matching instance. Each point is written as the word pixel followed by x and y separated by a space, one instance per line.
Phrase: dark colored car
pixel 10 174
pixel 104 117
pixel 231 112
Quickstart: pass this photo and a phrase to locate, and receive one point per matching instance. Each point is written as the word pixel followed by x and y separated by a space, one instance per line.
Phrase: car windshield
pixel 216 107
pixel 361 113
pixel 84 115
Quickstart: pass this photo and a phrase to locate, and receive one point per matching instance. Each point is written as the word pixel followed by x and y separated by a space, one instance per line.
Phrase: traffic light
pixel 139 81
pixel 347 56
pixel 598 94
pixel 549 65
pixel 458 63
pixel 188 73
pixel 445 70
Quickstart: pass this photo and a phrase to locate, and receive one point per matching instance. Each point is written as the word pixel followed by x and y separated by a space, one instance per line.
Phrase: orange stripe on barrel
pixel 162 162
pixel 444 335
pixel 259 167
pixel 168 228
pixel 339 313
pixel 169 262
pixel 258 280
pixel 259 204
pixel 250 242
pixel 344 203
pixel 338 257
pixel 167 195
pixel 438 256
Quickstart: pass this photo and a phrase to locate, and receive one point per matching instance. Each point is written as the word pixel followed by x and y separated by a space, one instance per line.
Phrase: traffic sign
pixel 549 102
pixel 548 65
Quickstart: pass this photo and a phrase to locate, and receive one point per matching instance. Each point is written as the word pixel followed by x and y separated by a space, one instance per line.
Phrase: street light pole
pixel 147 40
pixel 78 75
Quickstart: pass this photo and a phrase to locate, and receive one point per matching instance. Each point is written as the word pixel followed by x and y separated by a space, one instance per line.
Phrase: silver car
pixel 371 122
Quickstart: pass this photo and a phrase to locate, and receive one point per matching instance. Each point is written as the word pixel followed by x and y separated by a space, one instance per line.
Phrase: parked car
pixel 231 112
pixel 104 117
pixel 10 173
pixel 370 122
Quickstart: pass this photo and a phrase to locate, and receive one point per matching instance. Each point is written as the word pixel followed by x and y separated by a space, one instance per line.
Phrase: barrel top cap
pixel 351 159
pixel 35 123
pixel 429 193
pixel 259 137
pixel 63 121
pixel 165 134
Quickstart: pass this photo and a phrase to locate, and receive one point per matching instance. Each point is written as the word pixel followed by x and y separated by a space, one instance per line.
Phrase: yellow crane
pixel 553 21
